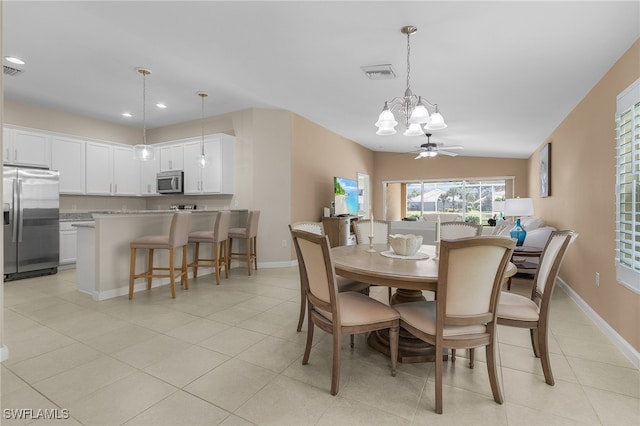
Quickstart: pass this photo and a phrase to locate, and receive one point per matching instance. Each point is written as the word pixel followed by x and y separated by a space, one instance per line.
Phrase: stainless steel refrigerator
pixel 31 203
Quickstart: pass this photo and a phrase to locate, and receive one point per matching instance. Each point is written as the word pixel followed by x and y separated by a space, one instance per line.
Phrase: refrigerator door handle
pixel 14 213
pixel 20 211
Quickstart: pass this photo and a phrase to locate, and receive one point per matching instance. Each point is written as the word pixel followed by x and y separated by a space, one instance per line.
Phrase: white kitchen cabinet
pixel 99 168
pixel 68 157
pixel 26 147
pixel 171 157
pixel 126 172
pixel 217 178
pixel 68 243
pixel 149 171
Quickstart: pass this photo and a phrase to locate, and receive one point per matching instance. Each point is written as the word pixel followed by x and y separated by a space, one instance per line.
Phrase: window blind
pixel 628 188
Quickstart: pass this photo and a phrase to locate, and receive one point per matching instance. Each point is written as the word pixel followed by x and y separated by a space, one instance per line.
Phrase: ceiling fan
pixel 431 149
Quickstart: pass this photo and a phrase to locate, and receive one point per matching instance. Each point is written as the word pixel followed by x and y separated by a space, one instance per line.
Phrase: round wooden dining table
pixel 409 276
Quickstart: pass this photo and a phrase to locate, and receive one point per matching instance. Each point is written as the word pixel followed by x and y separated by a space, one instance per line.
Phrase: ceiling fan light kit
pixel 430 149
pixel 414 109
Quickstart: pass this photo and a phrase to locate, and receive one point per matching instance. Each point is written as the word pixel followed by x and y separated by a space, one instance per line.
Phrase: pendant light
pixel 144 152
pixel 203 160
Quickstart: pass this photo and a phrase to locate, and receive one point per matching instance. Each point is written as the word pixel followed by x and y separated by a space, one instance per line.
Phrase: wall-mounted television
pixel 345 196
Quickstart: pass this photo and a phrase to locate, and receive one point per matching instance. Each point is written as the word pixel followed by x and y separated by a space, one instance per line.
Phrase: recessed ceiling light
pixel 161 105
pixel 127 114
pixel 14 60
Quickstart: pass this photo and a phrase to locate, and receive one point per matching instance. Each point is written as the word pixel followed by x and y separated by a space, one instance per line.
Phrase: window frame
pixel 628 163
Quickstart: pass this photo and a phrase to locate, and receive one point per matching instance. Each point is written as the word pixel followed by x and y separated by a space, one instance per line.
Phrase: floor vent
pixel 11 71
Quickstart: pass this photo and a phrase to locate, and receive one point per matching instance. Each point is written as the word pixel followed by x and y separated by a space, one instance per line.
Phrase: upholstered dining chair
pixel 178 237
pixel 533 312
pixel 250 234
pixel 454 230
pixel 344 284
pixel 218 238
pixel 381 229
pixel 338 313
pixel 464 314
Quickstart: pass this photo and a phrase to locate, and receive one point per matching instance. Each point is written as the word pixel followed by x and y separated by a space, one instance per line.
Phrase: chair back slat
pixel 179 230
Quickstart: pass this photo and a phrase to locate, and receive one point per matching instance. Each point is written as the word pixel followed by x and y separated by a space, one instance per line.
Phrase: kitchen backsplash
pixel 85 203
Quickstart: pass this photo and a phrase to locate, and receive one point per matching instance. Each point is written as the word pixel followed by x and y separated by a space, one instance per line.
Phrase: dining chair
pixel 178 237
pixel 381 230
pixel 344 284
pixel 217 237
pixel 454 230
pixel 533 312
pixel 250 234
pixel 338 313
pixel 464 314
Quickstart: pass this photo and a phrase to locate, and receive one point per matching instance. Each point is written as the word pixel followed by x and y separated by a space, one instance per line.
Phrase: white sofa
pixel 425 226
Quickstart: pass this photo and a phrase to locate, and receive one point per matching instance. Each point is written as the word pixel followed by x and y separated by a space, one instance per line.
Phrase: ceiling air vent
pixel 11 71
pixel 379 72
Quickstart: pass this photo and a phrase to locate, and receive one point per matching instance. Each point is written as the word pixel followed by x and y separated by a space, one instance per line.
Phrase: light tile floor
pixel 230 355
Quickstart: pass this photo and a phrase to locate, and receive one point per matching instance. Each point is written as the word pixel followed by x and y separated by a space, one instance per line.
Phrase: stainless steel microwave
pixel 170 182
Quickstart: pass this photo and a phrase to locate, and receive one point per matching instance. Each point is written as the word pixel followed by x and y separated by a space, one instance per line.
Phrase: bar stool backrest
pixel 221 226
pixel 179 231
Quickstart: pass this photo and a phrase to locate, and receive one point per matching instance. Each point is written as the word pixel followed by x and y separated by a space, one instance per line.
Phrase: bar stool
pixel 248 233
pixel 178 237
pixel 217 237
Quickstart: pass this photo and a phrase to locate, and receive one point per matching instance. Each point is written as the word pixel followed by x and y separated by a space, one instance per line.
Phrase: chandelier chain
pixel 144 108
pixel 408 58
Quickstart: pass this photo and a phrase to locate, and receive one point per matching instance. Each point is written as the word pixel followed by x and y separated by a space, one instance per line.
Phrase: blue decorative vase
pixel 518 233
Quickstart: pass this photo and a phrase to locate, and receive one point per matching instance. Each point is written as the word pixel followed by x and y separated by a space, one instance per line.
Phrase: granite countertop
pixel 75 217
pixel 86 224
pixel 119 212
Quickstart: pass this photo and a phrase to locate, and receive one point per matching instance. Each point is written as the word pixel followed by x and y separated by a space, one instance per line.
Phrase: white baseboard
pixel 617 340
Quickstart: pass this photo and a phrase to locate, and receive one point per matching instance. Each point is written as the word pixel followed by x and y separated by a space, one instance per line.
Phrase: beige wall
pixel 395 167
pixel 317 155
pixel 583 197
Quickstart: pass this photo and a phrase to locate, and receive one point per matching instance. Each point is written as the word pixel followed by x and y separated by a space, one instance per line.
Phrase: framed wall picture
pixel 545 170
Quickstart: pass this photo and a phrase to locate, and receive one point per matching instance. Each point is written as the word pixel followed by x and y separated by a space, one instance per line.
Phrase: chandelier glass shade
pixel 413 108
pixel 144 152
pixel 203 160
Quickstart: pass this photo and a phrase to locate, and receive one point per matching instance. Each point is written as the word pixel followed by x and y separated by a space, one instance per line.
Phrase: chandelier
pixel 412 107
pixel 144 152
pixel 203 160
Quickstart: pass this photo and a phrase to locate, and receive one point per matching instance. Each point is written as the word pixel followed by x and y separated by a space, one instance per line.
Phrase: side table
pixel 523 265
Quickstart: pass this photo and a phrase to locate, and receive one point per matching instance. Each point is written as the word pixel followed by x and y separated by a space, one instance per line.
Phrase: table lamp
pixel 518 207
pixel 498 206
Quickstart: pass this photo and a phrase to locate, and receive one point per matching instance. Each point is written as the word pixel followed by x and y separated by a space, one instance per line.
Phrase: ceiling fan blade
pixel 450 154
pixel 418 157
pixel 441 145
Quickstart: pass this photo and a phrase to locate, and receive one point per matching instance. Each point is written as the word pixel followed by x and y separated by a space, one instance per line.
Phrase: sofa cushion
pixel 531 223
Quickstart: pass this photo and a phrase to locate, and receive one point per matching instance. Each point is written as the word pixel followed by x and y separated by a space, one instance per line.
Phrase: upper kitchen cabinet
pixel 149 171
pixel 111 170
pixel 126 171
pixel 217 177
pixel 68 157
pixel 171 157
pixel 26 148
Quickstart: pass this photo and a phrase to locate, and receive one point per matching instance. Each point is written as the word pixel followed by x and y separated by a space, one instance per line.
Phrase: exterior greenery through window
pixel 628 188
pixel 473 199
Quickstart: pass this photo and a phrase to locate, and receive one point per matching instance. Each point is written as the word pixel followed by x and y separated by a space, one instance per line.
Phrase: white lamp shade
pixel 414 130
pixel 386 119
pixel 144 152
pixel 386 131
pixel 436 122
pixel 518 207
pixel 419 115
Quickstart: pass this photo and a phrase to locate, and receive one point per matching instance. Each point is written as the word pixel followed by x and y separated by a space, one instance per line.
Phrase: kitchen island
pixel 104 252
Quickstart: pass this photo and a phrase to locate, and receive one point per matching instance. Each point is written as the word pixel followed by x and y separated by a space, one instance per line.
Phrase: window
pixel 628 187
pixel 475 200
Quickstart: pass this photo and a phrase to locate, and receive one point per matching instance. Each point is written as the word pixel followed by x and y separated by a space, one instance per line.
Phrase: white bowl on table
pixel 405 244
